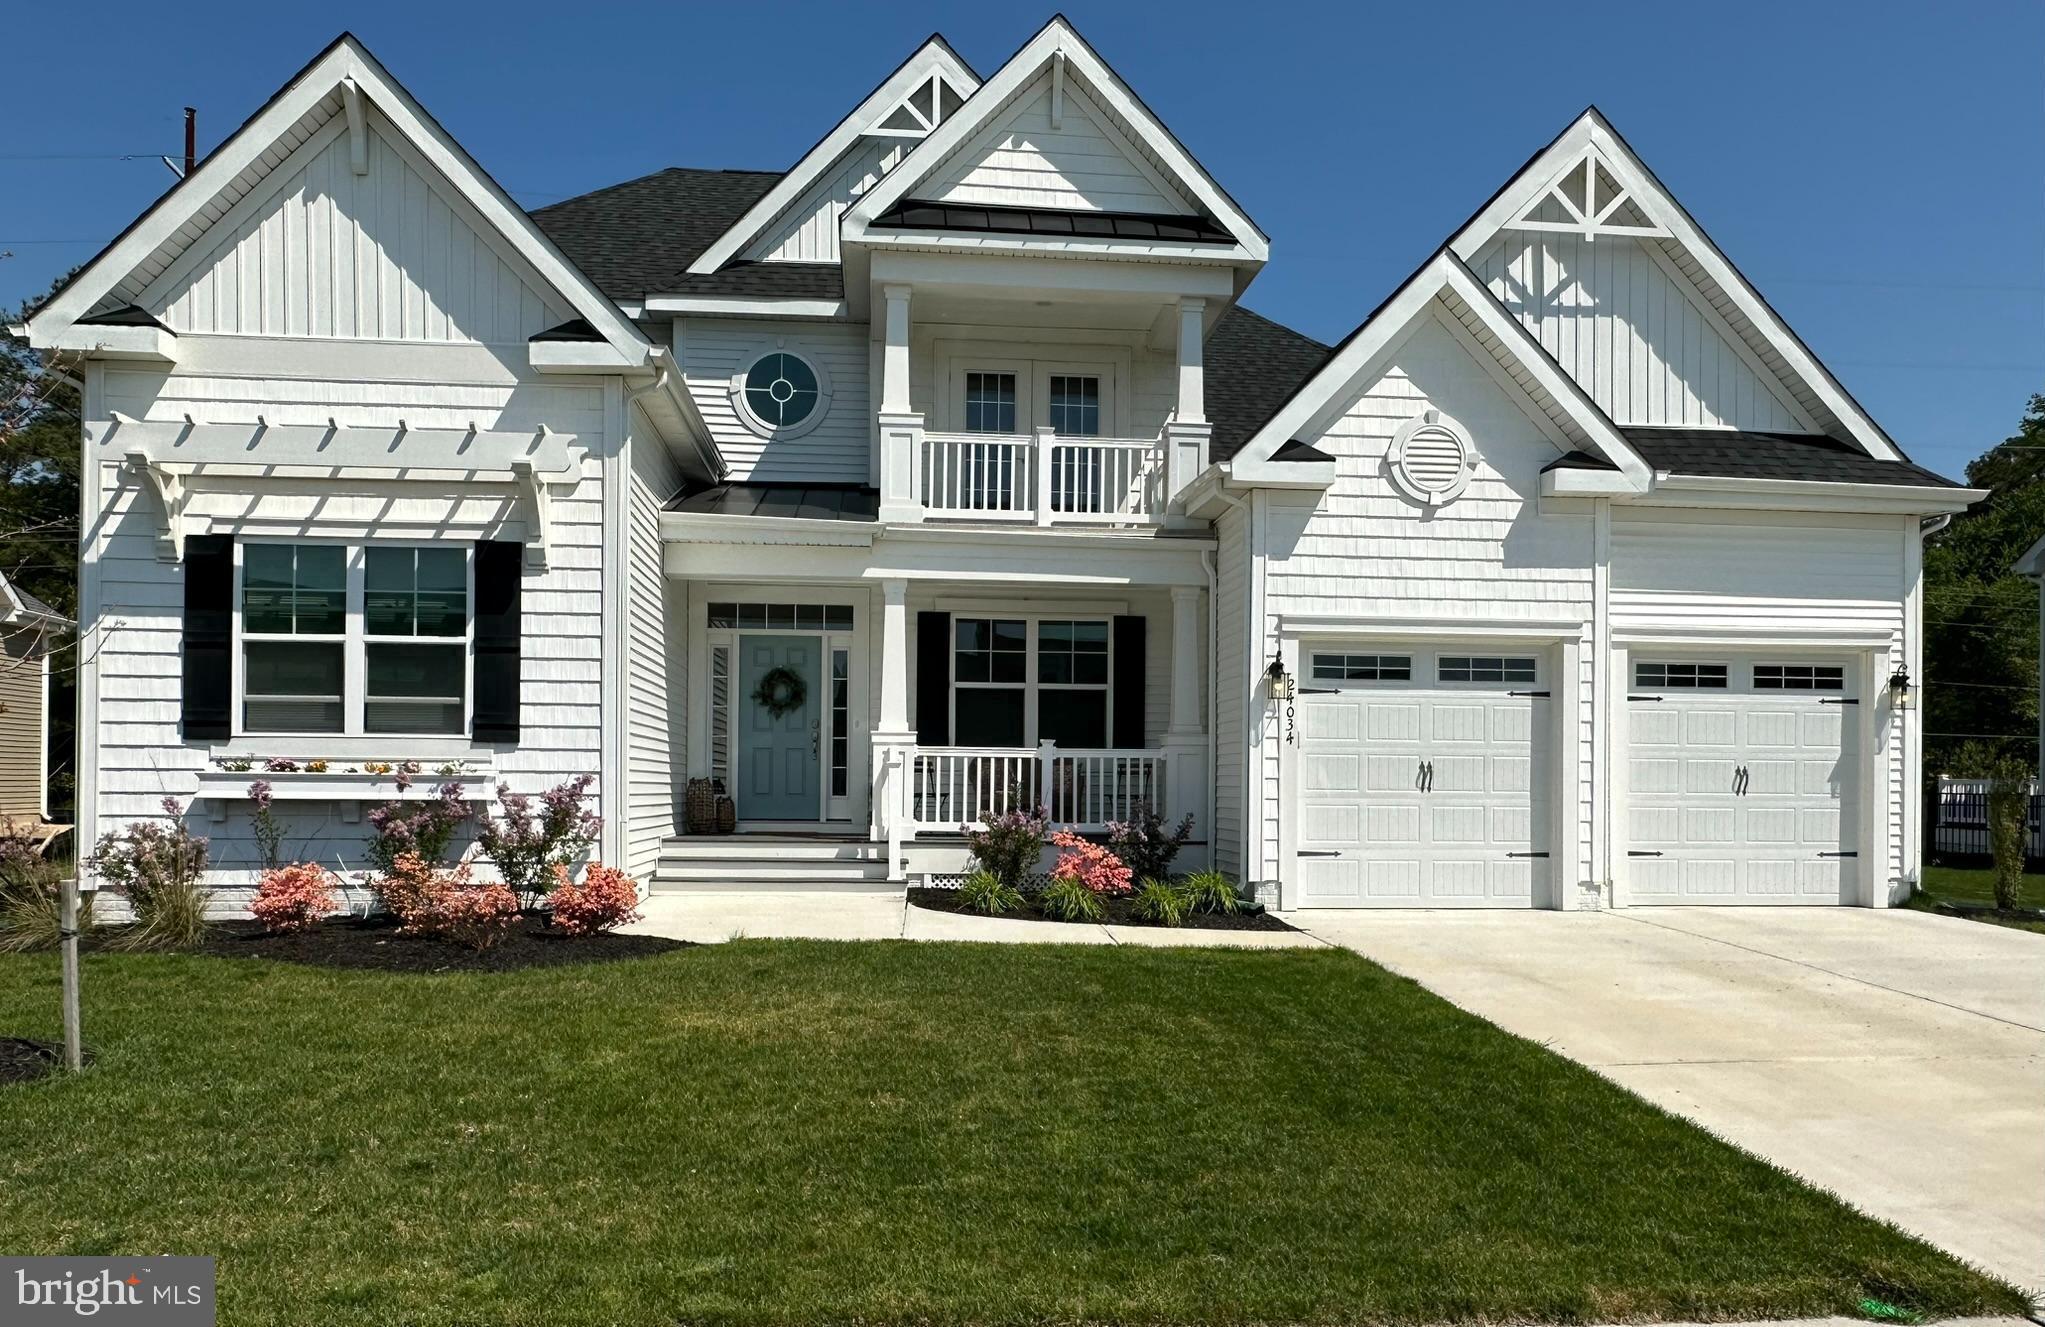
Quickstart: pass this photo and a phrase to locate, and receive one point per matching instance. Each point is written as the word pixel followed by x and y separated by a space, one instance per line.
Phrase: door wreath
pixel 781 690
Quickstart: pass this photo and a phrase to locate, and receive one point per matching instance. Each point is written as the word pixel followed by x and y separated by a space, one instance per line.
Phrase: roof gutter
pixel 1807 494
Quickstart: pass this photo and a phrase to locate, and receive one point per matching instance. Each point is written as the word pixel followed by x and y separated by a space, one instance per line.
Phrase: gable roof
pixel 1671 227
pixel 20 608
pixel 934 57
pixel 1059 42
pixel 333 84
pixel 634 238
pixel 1562 404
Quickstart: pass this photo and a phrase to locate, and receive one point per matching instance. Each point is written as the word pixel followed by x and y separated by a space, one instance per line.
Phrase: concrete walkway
pixel 1894 1057
pixel 841 915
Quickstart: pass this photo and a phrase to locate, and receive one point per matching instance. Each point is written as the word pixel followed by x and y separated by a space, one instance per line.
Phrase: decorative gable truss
pixel 1586 200
pixel 1055 128
pixel 1622 287
pixel 339 209
pixel 798 219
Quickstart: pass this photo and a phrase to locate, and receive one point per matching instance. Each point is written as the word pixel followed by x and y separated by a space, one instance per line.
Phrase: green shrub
pixel 1211 891
pixel 31 907
pixel 1070 901
pixel 984 892
pixel 1163 902
pixel 1011 845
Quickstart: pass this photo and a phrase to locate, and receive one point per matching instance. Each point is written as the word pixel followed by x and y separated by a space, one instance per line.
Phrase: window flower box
pixel 347 784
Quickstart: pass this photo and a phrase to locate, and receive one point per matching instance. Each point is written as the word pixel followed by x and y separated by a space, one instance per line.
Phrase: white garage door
pixel 1741 781
pixel 1422 779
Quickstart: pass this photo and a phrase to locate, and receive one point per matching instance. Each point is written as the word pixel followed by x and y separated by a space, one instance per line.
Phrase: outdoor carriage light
pixel 1277 682
pixel 1899 687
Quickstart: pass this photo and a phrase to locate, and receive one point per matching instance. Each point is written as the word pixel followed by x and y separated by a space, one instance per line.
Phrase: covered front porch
pixel 890 707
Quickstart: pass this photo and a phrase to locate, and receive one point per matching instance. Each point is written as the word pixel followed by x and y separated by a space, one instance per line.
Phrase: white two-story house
pixel 945 471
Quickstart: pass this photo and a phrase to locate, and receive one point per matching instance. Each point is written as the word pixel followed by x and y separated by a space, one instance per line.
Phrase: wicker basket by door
pixel 727 815
pixel 704 801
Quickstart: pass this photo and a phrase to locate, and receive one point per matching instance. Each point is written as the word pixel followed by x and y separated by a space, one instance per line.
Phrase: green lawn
pixel 800 1132
pixel 1959 885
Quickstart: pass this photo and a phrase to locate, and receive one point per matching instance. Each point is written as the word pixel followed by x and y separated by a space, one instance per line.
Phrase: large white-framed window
pixel 354 639
pixel 1019 681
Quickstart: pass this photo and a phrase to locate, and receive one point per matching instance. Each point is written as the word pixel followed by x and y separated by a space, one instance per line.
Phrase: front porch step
pixel 698 863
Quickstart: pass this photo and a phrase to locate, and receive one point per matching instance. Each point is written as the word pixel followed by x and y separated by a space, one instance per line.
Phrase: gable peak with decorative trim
pixel 1057 97
pixel 345 116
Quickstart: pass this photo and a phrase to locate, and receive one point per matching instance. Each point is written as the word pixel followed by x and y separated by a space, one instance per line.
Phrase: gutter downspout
pixel 1251 657
pixel 1210 563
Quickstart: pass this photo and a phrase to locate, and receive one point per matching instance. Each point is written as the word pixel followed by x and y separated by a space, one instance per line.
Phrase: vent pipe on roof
pixel 191 139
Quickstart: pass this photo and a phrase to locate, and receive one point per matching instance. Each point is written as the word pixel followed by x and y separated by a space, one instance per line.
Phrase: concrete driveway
pixel 1896 1058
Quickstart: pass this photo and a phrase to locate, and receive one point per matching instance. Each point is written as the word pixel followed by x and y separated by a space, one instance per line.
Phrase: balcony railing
pixel 1041 478
pixel 956 787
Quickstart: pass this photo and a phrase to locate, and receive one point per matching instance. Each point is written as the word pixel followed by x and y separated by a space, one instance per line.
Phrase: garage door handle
pixel 1643 854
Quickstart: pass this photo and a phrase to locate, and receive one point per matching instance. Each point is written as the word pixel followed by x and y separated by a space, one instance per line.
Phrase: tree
pixel 39 467
pixel 1981 621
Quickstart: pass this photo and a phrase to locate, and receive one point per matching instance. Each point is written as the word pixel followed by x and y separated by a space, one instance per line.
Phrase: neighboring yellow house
pixel 29 631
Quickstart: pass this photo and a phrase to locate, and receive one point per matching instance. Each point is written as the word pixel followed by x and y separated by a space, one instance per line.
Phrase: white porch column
pixel 1185 744
pixel 893 742
pixel 1187 431
pixel 1192 375
pixel 901 427
pixel 894 364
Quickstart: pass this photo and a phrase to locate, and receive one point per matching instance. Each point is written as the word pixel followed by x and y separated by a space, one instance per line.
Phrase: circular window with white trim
pixel 780 394
pixel 1432 459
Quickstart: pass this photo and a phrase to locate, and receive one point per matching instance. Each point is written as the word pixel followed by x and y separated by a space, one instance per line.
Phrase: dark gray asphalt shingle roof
pixel 773 280
pixel 1730 454
pixel 639 237
pixel 1253 366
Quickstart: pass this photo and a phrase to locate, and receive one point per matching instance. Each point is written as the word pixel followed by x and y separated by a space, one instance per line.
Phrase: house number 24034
pixel 1291 713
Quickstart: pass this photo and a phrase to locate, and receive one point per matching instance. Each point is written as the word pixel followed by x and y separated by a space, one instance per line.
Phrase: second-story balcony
pixel 1041 478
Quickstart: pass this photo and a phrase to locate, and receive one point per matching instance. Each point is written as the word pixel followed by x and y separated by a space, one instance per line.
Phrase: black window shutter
pixel 933 679
pixel 1127 683
pixel 209 635
pixel 500 571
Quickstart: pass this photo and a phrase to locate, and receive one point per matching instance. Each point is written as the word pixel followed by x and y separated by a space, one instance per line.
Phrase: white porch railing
pixel 954 787
pixel 1042 478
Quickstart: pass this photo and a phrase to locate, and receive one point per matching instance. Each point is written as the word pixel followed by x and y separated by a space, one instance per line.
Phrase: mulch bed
pixel 373 944
pixel 23 1059
pixel 1119 912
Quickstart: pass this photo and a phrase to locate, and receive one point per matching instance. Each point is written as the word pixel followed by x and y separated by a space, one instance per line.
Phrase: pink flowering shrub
pixel 473 914
pixel 424 828
pixel 409 889
pixel 605 899
pixel 527 842
pixel 294 897
pixel 1090 864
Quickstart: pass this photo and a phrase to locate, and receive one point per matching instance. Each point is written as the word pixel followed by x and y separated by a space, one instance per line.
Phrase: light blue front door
pixel 778 753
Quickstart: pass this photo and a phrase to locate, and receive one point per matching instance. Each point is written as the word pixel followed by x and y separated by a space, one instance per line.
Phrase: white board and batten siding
pixel 1635 336
pixel 807 232
pixel 318 251
pixel 837 451
pixel 1087 162
pixel 1363 551
pixel 655 685
pixel 1798 576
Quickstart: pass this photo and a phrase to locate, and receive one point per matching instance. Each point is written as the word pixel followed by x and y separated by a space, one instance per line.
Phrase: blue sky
pixel 1877 168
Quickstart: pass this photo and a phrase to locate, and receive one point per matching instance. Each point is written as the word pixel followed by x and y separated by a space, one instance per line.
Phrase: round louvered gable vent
pixel 1432 458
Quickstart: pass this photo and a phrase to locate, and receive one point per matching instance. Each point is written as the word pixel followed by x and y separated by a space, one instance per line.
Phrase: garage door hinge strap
pixel 1643 854
pixel 1529 693
pixel 1656 699
pixel 1837 700
pixel 1839 854
pixel 1320 691
pixel 1318 852
pixel 1526 854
